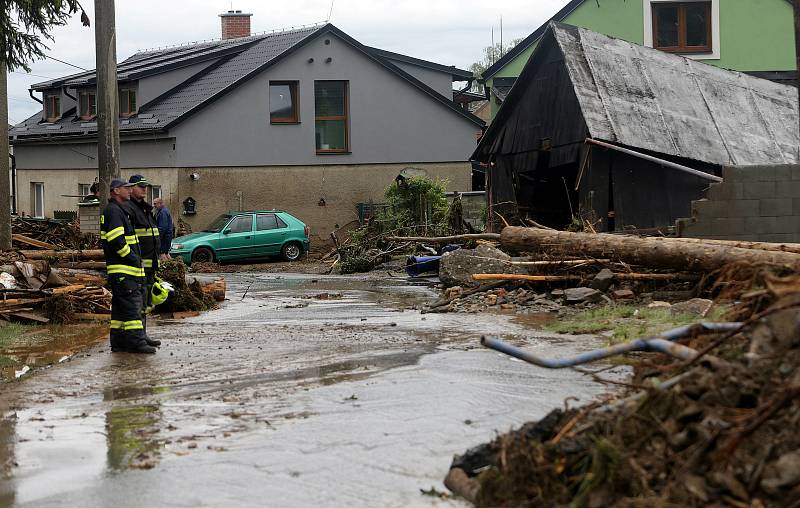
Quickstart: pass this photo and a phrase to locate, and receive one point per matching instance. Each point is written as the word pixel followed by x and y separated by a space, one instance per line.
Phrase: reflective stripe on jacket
pixel 146 232
pixel 120 245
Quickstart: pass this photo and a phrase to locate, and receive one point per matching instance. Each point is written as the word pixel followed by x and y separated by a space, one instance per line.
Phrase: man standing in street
pixel 125 272
pixel 147 236
pixel 165 228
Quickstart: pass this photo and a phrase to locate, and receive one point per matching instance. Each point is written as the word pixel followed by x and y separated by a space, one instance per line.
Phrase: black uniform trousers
pixel 147 296
pixel 127 329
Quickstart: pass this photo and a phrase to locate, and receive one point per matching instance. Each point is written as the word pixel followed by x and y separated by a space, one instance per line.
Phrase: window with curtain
pixel 87 105
pixel 331 116
pixel 52 105
pixel 127 102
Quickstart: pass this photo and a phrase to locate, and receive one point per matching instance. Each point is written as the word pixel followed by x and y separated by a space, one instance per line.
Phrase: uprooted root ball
pixel 186 297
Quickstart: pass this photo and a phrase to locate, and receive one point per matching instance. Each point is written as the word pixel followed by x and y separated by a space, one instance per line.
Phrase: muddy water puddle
pixel 37 347
pixel 300 390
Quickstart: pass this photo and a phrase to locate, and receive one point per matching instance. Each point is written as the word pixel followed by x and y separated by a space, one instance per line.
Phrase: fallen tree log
pixel 652 252
pixel 777 247
pixel 76 255
pixel 445 239
pixel 561 278
pixel 81 265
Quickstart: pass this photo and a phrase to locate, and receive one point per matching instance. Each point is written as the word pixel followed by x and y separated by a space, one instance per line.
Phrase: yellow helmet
pixel 160 291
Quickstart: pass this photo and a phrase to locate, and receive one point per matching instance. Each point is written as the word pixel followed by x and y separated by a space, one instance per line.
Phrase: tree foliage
pixel 491 54
pixel 415 203
pixel 25 24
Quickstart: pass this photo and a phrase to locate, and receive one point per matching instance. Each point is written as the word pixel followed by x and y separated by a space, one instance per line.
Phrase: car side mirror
pixel 226 232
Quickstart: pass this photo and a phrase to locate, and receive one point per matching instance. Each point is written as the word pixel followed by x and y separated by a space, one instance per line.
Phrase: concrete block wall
pixel 89 216
pixel 753 203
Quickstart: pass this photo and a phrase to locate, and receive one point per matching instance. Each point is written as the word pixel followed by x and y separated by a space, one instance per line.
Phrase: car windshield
pixel 218 223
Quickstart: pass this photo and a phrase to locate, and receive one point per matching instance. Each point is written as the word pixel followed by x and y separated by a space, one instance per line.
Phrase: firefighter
pixel 125 272
pixel 147 235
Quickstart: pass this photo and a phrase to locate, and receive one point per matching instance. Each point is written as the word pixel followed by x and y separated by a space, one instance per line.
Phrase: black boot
pixel 132 345
pixel 152 342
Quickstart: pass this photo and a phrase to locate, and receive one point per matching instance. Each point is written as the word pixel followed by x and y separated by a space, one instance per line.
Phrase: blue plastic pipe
pixel 662 343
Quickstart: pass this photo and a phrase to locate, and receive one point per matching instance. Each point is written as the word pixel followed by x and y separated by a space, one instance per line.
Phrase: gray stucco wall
pixel 439 81
pixel 753 203
pixel 133 154
pixel 390 121
pixel 153 86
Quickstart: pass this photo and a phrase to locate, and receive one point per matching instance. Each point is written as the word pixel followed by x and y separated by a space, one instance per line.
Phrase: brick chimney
pixel 235 24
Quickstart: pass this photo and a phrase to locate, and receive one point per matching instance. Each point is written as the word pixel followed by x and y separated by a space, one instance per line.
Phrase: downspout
pixel 30 92
pixel 64 89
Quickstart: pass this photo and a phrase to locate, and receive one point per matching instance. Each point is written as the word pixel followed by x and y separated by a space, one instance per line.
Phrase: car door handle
pixel 246 237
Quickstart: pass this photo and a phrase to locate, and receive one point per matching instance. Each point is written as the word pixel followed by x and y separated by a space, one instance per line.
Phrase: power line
pixel 66 63
pixel 32 74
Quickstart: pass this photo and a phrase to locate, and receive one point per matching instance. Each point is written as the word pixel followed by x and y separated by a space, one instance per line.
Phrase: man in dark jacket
pixel 165 228
pixel 147 236
pixel 125 272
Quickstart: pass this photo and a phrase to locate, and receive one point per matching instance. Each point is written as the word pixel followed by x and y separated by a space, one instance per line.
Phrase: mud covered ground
pixel 301 390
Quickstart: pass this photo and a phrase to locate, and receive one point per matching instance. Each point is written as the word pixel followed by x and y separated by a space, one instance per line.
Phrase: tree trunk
pixel 652 252
pixel 5 183
pixel 778 247
pixel 73 255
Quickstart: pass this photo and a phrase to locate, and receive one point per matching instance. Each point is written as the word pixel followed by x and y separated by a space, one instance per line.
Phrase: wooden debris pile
pixel 35 292
pixel 716 431
pixel 51 234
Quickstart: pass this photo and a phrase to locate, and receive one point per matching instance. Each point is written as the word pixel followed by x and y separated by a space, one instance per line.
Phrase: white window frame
pixel 84 189
pixel 154 192
pixel 715 37
pixel 37 195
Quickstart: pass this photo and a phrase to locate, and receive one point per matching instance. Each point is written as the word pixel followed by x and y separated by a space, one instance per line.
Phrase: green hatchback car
pixel 244 235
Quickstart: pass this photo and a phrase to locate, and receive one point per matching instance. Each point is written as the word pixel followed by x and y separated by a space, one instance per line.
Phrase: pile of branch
pixel 51 234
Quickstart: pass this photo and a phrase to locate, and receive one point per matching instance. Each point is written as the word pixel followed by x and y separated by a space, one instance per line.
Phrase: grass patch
pixel 10 332
pixel 625 322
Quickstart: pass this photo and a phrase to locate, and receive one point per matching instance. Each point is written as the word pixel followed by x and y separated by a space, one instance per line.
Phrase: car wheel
pixel 202 255
pixel 291 251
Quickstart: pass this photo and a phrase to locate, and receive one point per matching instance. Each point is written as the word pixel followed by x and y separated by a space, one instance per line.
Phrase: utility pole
pixel 5 183
pixel 105 37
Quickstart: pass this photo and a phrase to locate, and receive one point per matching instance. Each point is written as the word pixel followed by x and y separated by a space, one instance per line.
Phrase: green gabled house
pixel 751 36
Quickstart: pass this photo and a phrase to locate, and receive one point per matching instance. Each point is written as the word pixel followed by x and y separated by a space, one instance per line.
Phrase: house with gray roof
pixel 308 120
pixel 627 136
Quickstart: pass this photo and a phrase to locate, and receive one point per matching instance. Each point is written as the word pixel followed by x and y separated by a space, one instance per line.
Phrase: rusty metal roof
pixel 645 98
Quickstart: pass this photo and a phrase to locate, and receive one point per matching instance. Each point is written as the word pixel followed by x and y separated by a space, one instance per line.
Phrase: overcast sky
pixel 450 32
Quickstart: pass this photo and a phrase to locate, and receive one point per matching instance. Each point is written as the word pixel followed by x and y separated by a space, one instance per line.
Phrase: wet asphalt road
pixel 300 391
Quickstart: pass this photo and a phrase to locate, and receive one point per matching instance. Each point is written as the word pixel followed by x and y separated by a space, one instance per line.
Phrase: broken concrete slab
pixel 603 280
pixel 580 295
pixel 623 294
pixel 696 307
pixel 457 267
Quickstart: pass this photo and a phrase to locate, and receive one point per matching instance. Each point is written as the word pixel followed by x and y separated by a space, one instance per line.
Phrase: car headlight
pixel 177 246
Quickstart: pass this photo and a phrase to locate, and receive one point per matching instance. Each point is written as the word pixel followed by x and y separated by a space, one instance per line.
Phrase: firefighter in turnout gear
pixel 125 272
pixel 147 234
